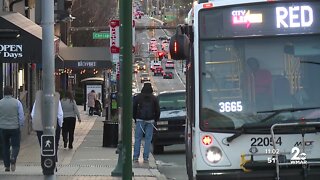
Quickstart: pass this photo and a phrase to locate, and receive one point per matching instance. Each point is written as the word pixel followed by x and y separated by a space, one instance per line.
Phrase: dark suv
pixel 171 125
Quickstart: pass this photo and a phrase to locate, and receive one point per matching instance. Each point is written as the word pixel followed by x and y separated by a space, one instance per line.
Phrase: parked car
pixel 168 75
pixel 171 125
pixel 169 64
pixel 144 77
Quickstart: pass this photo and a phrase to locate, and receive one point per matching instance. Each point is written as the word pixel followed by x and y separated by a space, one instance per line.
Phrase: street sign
pixel 101 35
pixel 48 145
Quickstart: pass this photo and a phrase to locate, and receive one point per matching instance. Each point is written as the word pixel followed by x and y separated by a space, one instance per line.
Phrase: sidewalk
pixel 87 160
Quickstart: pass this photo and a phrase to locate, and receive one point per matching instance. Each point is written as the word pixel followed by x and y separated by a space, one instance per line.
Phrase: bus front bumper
pixel 285 174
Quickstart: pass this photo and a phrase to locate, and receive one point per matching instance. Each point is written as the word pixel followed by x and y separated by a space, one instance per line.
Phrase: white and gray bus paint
pixel 253 101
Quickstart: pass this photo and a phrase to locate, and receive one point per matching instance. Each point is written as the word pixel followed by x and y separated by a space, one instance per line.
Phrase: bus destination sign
pixel 260 20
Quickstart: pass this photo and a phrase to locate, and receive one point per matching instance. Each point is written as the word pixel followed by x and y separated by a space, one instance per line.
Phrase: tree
pixel 92 13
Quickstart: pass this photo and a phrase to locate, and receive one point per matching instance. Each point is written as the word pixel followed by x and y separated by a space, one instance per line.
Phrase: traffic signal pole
pixel 48 116
pixel 126 85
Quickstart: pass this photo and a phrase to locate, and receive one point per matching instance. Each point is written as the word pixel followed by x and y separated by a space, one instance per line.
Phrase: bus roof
pixel 231 2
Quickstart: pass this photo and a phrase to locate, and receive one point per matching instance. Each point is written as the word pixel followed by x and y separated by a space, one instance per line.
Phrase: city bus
pixel 253 89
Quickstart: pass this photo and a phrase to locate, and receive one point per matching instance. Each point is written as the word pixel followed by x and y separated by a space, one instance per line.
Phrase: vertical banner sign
pixel 116 64
pixel 115 36
pixel 115 33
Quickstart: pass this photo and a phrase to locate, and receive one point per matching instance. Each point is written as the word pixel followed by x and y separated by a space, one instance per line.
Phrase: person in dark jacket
pixel 146 111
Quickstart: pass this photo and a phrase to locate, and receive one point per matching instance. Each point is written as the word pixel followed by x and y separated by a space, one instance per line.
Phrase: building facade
pixel 21 48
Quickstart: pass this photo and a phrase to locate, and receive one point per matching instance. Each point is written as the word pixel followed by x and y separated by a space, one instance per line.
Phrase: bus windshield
pixel 259 81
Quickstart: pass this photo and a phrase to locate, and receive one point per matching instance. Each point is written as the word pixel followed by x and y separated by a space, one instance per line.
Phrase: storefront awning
pixel 85 57
pixel 20 39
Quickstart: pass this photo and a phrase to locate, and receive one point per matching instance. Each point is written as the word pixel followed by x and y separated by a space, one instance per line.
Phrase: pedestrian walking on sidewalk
pixel 146 111
pixel 11 119
pixel 70 112
pixel 92 97
pixel 36 117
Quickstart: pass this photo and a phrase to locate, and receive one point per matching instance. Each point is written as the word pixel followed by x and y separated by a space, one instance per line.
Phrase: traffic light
pixel 160 55
pixel 179 45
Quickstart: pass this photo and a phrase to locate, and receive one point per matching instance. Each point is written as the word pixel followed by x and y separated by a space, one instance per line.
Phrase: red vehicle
pixel 168 75
pixel 158 71
pixel 155 66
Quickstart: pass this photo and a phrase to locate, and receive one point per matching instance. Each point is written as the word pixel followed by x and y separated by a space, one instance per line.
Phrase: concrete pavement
pixel 87 160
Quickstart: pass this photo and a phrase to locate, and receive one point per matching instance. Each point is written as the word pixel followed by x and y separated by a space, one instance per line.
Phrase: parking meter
pixel 48 154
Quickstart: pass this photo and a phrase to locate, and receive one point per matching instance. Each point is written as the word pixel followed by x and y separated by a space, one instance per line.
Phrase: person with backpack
pixel 146 111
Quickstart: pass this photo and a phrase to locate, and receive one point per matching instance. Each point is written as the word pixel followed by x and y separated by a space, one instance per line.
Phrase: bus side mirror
pixel 179 47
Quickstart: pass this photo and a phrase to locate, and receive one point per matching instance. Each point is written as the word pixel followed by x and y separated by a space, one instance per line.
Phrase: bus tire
pixel 158 149
pixel 188 144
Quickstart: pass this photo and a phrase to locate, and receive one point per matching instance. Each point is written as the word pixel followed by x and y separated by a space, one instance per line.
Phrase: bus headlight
pixel 213 154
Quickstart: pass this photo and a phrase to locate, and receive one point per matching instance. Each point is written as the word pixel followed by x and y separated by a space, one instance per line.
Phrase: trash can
pixel 110 134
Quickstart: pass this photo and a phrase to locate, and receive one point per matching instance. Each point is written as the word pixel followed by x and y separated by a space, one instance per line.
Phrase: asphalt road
pixel 172 162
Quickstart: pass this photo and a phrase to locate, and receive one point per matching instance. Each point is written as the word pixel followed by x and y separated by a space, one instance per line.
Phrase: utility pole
pixel 48 113
pixel 126 83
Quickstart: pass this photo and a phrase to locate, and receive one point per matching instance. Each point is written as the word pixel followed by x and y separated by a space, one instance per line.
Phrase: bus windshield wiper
pixel 235 135
pixel 244 128
pixel 278 111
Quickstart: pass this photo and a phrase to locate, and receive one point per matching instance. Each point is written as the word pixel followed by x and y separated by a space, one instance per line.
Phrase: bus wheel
pixel 188 144
pixel 158 149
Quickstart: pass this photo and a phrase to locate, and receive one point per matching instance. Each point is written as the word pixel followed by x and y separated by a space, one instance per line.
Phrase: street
pixel 172 162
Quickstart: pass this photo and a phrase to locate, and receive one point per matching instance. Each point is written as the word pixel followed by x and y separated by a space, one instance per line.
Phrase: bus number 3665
pixel 234 106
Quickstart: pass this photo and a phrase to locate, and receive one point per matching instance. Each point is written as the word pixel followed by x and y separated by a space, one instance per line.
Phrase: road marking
pixel 179 78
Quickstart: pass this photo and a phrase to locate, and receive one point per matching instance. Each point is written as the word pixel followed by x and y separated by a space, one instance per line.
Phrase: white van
pixel 154 63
